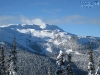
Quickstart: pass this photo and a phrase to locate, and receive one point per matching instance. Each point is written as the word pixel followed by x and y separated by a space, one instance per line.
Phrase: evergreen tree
pixel 2 62
pixel 49 71
pixel 69 66
pixel 12 68
pixel 91 69
pixel 98 69
pixel 8 66
pixel 60 64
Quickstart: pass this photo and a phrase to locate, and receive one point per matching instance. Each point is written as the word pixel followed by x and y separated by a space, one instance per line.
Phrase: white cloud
pixel 36 21
pixel 4 20
pixel 95 21
pixel 74 19
pixel 67 20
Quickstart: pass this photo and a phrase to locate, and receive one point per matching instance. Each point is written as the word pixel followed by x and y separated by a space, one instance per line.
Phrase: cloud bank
pixel 74 19
pixel 67 20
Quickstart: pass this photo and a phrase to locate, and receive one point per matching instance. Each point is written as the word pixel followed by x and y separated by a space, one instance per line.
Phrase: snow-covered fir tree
pixel 8 66
pixel 69 66
pixel 2 62
pixel 60 64
pixel 12 68
pixel 98 69
pixel 91 68
pixel 49 71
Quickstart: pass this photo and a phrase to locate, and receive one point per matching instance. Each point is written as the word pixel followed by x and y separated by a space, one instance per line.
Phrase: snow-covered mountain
pixel 44 38
pixel 35 40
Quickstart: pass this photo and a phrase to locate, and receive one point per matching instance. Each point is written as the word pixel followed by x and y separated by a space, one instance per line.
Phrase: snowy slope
pixel 41 38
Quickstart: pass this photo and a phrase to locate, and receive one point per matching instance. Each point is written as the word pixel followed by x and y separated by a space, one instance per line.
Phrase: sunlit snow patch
pixel 73 52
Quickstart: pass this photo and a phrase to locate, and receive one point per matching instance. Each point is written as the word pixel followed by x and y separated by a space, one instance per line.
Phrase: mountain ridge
pixel 46 39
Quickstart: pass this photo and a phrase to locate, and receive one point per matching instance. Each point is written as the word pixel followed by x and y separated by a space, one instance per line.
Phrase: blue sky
pixel 67 14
